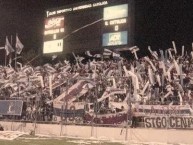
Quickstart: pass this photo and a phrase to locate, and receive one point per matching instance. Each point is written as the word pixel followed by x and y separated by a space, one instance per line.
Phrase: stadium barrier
pixel 120 133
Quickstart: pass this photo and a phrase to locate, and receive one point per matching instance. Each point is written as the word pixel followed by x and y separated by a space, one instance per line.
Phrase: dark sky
pixel 157 22
pixel 26 17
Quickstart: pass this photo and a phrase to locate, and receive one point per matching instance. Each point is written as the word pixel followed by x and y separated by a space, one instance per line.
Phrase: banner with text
pixel 162 110
pixel 174 122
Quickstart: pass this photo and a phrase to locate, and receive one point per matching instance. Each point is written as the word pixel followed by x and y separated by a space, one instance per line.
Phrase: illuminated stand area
pixel 90 25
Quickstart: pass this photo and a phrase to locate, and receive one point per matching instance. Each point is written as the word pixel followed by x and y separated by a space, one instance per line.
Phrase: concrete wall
pixel 109 133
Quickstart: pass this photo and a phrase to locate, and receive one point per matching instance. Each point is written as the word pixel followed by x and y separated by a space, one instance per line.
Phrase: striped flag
pixel 27 69
pixel 107 52
pixel 22 78
pixel 18 45
pixel 49 68
pixel 97 55
pixel 37 73
pixel 116 56
pixel 110 92
pixel 9 71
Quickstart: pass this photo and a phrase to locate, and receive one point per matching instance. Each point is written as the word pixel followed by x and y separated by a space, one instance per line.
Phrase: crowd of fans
pixel 160 78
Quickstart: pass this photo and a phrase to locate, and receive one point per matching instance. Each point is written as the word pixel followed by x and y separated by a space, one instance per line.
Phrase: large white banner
pixel 166 116
pixel 10 135
pixel 162 110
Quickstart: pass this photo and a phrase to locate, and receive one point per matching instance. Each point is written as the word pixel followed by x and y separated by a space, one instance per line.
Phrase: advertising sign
pixel 116 38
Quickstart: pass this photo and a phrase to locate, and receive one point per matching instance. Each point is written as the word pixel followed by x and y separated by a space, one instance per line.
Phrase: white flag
pixel 18 45
pixel 107 52
pixel 8 47
pixel 174 46
pixel 88 53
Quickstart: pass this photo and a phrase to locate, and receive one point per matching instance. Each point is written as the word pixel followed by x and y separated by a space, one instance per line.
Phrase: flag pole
pixel 16 56
pixel 15 60
pixel 5 58
pixel 10 55
pixel 5 54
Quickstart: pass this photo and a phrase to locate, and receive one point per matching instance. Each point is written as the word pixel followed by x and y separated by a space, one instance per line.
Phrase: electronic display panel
pixel 53 46
pixel 90 25
pixel 53 33
pixel 114 12
pixel 115 29
pixel 116 38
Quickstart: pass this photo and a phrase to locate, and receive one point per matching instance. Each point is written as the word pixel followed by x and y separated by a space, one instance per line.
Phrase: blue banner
pixel 11 107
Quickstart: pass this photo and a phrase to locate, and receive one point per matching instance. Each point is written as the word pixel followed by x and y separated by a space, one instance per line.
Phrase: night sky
pixel 157 22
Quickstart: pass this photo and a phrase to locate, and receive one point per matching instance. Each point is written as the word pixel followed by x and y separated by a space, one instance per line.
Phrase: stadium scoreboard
pixel 91 25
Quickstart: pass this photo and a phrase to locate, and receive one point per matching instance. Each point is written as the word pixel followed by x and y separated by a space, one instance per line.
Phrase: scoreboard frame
pixel 119 31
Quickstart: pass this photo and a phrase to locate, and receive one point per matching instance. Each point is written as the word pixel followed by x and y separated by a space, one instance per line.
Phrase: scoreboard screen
pixel 90 25
pixel 54 28
pixel 115 25
pixel 115 12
